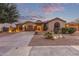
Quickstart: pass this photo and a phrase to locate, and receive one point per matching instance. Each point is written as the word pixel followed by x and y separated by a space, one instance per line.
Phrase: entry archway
pixel 56 27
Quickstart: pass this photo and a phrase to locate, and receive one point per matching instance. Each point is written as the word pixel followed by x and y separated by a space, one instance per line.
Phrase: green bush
pixel 71 30
pixel 48 35
pixel 68 30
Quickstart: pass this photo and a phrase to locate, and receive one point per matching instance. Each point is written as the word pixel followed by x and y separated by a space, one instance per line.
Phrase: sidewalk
pixel 44 51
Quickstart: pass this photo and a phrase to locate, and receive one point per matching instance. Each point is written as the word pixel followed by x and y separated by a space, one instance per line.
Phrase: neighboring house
pixel 73 25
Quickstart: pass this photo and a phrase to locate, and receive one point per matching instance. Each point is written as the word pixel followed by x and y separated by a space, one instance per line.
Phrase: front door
pixel 56 27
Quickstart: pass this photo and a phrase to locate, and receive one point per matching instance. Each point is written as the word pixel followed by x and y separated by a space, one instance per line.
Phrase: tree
pixel 11 13
pixel 2 13
pixel 8 13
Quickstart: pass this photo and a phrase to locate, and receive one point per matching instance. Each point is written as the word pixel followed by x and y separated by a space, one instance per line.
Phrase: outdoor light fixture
pixel 10 29
pixel 17 30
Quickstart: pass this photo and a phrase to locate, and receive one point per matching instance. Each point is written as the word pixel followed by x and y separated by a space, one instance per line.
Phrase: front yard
pixel 39 40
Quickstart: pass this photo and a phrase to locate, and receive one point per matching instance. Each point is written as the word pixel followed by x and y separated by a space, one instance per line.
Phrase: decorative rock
pixel 61 36
pixel 55 37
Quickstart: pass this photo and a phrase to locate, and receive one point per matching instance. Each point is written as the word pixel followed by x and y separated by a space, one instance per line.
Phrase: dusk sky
pixel 48 11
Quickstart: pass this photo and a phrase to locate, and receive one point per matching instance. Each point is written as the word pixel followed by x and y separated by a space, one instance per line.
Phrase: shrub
pixel 68 30
pixel 48 35
pixel 71 30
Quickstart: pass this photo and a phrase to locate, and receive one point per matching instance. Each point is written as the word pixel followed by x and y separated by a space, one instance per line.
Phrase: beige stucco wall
pixel 51 24
pixel 27 24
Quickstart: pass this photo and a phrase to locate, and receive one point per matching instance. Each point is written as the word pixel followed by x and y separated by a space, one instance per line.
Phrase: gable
pixel 56 19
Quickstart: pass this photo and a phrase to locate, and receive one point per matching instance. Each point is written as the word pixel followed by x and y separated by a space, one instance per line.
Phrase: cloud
pixel 51 8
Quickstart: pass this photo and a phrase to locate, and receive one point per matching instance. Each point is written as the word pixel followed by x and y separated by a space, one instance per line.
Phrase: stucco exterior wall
pixel 51 24
pixel 27 24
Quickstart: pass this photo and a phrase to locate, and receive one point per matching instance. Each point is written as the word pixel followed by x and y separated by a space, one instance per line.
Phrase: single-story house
pixel 52 25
